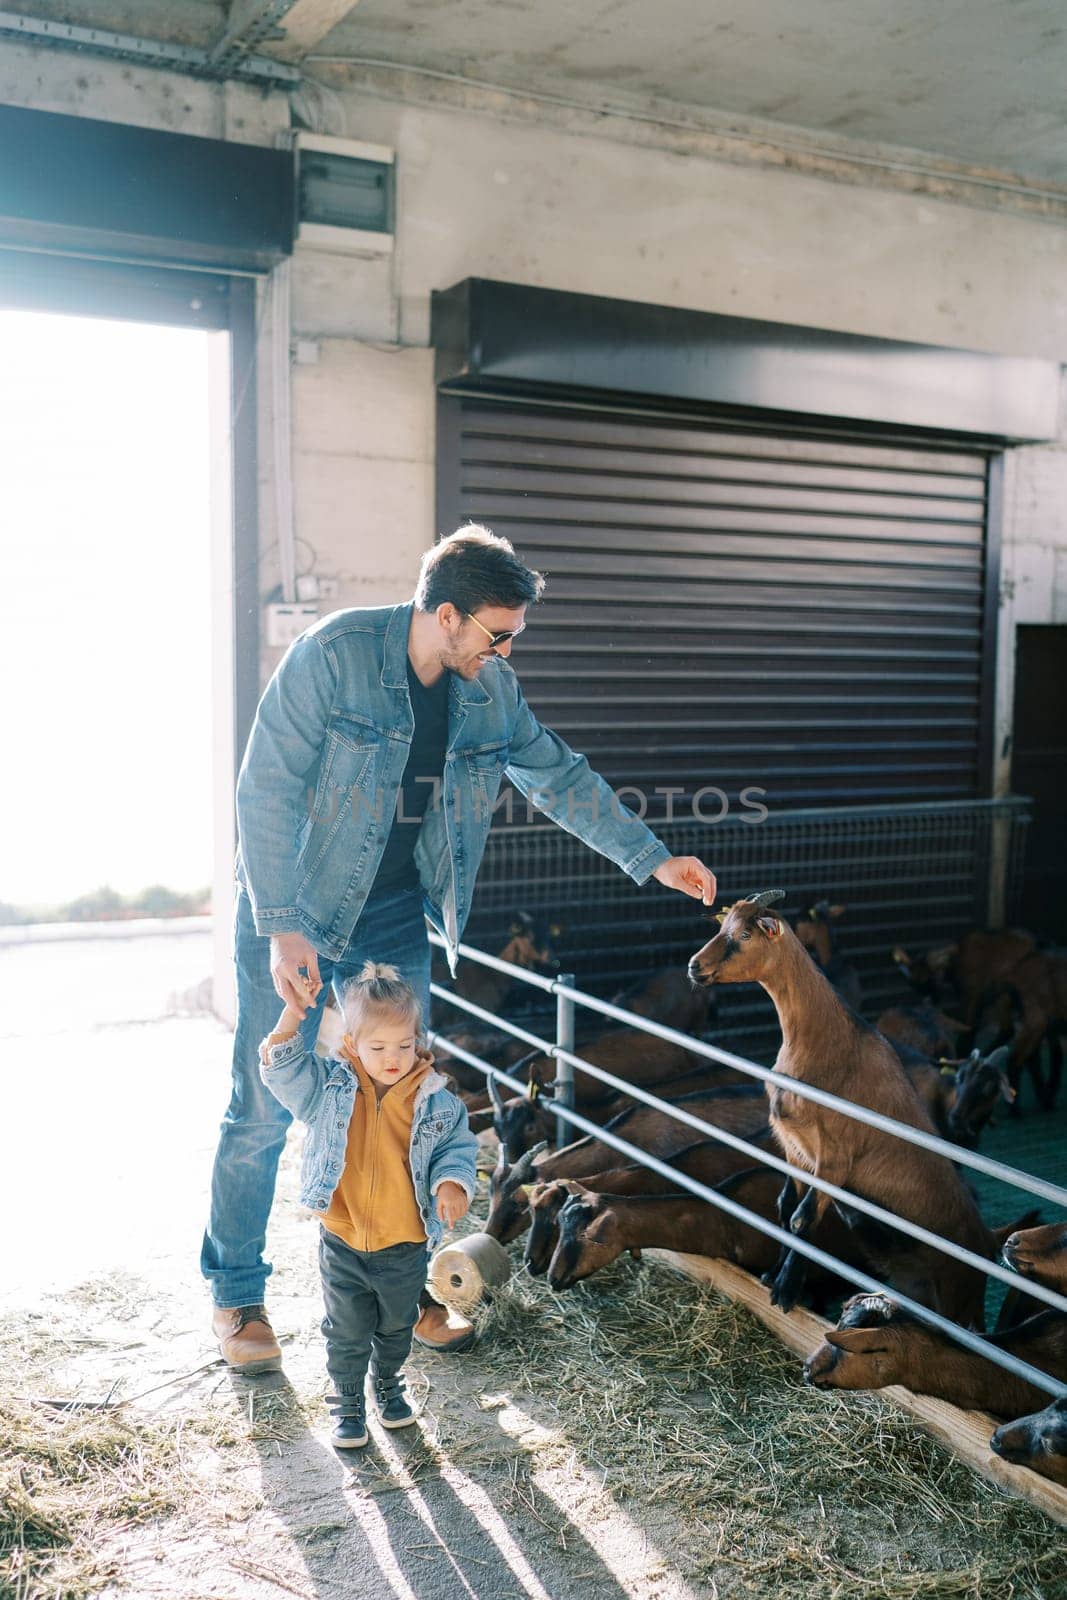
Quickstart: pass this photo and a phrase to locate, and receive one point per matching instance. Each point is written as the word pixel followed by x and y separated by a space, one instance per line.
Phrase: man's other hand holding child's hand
pixel 452 1202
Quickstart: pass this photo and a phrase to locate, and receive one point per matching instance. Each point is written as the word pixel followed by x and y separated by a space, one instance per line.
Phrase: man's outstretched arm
pixel 561 783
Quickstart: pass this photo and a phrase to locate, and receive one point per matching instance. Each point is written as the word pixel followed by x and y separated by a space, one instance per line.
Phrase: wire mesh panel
pixel 916 875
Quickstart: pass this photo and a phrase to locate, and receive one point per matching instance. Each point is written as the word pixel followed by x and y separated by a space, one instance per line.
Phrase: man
pixel 363 804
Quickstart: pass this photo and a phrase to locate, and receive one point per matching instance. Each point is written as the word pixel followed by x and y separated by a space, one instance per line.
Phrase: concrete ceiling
pixel 979 81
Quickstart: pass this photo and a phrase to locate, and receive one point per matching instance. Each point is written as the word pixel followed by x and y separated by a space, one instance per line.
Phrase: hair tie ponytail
pixel 379 990
pixel 378 971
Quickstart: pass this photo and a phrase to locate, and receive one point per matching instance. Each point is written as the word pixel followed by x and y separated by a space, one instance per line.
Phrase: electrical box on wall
pixel 346 195
pixel 287 622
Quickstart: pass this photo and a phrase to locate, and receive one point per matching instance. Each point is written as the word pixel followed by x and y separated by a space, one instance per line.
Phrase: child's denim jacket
pixel 321 1092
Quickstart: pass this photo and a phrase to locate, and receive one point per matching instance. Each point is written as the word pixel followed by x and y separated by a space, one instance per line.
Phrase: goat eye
pixel 746 934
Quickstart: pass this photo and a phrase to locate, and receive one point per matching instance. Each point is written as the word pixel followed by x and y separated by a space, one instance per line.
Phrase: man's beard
pixel 459 662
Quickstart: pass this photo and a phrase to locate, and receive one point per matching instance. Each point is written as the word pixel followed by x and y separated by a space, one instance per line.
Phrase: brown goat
pixel 667 996
pixel 830 1047
pixel 709 1162
pixel 875 1344
pixel 528 945
pixel 1038 1442
pixel 1037 988
pixel 960 1096
pixel 816 933
pixel 923 1028
pixel 524 1119
pixel 627 1053
pixel 1040 1254
pixel 596 1228
pixel 979 961
pixel 739 1110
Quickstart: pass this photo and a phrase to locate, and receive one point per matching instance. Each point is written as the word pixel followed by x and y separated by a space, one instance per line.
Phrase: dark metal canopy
pixel 79 186
pixel 492 335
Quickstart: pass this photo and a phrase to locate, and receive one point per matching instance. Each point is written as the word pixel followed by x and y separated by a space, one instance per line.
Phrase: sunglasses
pixel 496 638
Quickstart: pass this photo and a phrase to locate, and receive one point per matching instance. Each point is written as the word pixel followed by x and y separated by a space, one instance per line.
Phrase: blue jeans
pixel 391 928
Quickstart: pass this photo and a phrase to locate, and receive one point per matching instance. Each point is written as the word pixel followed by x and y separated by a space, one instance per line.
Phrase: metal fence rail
pixel 916 875
pixel 561 1049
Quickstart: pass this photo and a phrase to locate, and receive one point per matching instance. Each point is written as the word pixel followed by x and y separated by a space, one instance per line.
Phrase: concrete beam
pixel 285 29
pixel 305 25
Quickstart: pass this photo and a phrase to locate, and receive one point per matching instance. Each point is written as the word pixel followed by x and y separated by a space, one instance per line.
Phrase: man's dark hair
pixel 473 568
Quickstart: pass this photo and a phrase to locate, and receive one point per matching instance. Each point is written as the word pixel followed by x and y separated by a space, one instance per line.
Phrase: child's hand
pixel 452 1202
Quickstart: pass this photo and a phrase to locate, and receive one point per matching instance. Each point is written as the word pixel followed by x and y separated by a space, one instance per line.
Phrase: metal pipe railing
pixel 848 1108
pixel 1040 1187
pixel 971 1341
pixel 915 1230
pixel 566 1115
pixel 564 1090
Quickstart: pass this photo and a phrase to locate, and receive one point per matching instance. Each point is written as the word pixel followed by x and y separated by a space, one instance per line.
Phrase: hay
pixel 63 1477
pixel 686 1406
pixel 71 1482
pixel 686 1402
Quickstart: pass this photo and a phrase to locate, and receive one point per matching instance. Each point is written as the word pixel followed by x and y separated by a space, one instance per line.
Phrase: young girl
pixel 388 1164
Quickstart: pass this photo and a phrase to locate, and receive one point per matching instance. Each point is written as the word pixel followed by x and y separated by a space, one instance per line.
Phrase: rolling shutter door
pixel 733 606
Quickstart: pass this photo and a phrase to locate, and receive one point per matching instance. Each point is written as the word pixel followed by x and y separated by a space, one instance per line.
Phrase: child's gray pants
pixel 372 1303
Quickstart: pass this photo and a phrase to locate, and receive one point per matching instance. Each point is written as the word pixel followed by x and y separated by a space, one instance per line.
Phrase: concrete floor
pixel 114 1098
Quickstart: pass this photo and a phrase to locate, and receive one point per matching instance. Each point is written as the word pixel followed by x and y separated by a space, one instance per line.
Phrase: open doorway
pixel 117 658
pixel 105 495
pixel 1039 769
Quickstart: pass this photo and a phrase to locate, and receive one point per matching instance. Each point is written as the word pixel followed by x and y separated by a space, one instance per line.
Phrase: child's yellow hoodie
pixel 374 1203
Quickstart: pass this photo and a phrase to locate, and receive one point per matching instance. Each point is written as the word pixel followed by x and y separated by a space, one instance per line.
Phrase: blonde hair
pixel 379 991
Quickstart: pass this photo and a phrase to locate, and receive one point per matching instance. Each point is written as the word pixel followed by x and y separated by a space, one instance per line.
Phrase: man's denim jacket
pixel 318 785
pixel 321 1092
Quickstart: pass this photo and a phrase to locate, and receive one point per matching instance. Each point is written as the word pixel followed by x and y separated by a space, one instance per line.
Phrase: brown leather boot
pixel 442 1327
pixel 246 1338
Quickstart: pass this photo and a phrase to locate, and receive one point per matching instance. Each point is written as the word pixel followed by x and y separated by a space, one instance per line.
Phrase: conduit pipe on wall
pixel 281 424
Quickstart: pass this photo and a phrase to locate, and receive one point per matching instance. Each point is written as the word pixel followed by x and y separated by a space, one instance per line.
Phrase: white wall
pixel 536 204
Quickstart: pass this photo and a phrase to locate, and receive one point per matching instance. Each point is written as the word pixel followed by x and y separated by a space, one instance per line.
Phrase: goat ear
pixel 720 916
pixel 526 1189
pixel 860 1341
pixel 1006 1089
pixel 771 926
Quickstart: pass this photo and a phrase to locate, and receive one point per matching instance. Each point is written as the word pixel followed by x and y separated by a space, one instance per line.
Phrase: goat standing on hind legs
pixel 827 1045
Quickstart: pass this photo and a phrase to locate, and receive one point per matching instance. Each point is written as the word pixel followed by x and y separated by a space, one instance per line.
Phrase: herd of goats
pixel 583 1205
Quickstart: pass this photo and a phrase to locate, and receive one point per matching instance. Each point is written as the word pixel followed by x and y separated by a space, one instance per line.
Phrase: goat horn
pixel 766 897
pixel 520 1172
pixel 494 1092
pixel 524 1061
